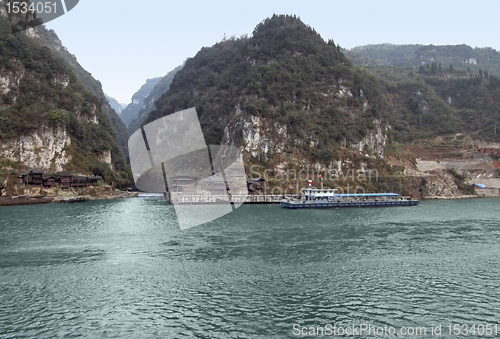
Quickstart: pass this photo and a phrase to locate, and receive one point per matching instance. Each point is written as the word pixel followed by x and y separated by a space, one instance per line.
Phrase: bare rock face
pixel 375 142
pixel 263 136
pixel 259 135
pixel 441 185
pixel 106 158
pixel 10 79
pixel 3 11
pixel 44 149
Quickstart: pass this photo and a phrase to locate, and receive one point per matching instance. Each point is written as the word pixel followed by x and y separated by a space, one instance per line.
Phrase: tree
pixel 434 68
pixel 282 109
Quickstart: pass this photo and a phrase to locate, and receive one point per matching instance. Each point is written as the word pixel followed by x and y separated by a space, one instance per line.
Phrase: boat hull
pixel 25 200
pixel 348 204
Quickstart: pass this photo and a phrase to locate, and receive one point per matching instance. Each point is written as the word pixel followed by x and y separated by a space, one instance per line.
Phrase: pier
pixel 211 199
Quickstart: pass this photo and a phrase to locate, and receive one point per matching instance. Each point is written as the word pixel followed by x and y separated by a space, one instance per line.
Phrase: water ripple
pixel 123 269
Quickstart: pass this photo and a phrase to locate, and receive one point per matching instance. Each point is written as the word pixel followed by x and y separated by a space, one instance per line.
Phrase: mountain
pixel 286 75
pixel 49 38
pixel 291 101
pixel 115 105
pixel 149 102
pixel 459 56
pixel 435 90
pixel 52 114
pixel 131 112
pixel 285 96
pixel 442 115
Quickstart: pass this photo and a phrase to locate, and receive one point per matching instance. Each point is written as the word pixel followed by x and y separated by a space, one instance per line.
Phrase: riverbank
pixel 453 197
pixel 99 192
pixel 105 195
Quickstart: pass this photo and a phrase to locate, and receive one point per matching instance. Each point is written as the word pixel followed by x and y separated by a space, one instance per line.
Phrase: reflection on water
pixel 123 269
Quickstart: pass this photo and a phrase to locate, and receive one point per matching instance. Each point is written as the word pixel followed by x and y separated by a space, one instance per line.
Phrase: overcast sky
pixel 123 43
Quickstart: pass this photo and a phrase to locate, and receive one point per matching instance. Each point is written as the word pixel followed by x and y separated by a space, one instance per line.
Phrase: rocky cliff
pixel 283 96
pixel 49 38
pixel 292 101
pixel 131 112
pixel 50 118
pixel 149 101
pixel 115 105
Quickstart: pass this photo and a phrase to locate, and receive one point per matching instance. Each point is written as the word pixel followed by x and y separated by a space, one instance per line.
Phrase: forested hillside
pixel 49 119
pixel 459 56
pixel 285 74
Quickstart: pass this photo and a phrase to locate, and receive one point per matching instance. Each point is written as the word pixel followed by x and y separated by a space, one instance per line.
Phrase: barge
pixel 329 198
pixel 24 200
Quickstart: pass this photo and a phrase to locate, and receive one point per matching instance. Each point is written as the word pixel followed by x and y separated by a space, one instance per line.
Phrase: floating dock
pixel 212 199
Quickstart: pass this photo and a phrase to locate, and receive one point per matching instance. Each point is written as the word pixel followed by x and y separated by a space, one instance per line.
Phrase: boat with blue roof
pixel 313 197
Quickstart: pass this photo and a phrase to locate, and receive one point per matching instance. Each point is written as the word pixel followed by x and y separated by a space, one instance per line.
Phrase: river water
pixel 124 269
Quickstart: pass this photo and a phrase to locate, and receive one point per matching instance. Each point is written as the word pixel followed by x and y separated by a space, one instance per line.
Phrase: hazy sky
pixel 123 43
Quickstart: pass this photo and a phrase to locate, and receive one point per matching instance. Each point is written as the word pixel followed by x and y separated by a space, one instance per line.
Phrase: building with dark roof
pixel 34 177
pixel 80 181
pixel 49 181
pixel 65 179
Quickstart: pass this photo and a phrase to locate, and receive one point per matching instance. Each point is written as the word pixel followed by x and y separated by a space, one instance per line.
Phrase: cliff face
pixel 49 38
pixel 283 96
pixel 49 119
pixel 131 112
pixel 115 105
pixel 290 101
pixel 149 101
pixel 43 149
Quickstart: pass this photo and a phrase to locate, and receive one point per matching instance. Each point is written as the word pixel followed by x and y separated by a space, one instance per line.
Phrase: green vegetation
pixel 44 92
pixel 79 74
pixel 436 90
pixel 58 117
pixel 450 57
pixel 436 101
pixel 285 73
pixel 460 181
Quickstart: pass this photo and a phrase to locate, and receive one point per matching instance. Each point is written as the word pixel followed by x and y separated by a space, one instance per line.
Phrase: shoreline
pixel 460 197
pixel 117 194
pixel 102 196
